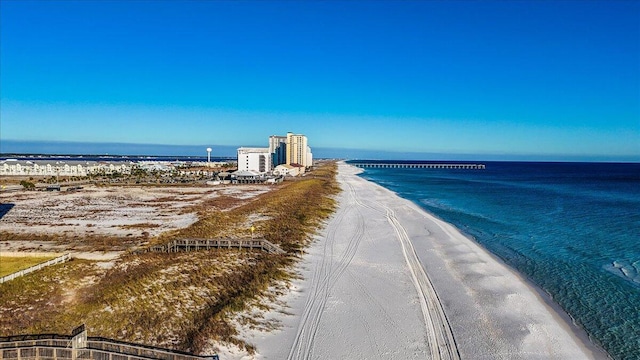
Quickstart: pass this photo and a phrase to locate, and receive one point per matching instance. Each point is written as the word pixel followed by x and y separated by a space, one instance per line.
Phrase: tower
pixel 278 150
pixel 297 149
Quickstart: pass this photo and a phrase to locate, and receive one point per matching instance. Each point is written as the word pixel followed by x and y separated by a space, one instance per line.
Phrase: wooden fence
pixel 58 260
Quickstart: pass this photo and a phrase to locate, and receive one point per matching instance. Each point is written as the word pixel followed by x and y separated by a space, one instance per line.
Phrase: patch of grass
pixel 9 265
pixel 76 241
pixel 29 303
pixel 222 202
pixel 163 199
pixel 139 226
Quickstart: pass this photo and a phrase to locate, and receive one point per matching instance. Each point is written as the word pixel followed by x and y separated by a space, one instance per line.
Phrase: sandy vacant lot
pixel 120 212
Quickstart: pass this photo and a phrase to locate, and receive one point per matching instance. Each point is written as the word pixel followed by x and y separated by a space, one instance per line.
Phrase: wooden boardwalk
pixel 207 244
pixel 65 347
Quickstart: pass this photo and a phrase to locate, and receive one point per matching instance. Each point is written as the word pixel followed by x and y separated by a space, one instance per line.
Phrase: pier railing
pixel 418 166
pixel 207 244
pixel 65 347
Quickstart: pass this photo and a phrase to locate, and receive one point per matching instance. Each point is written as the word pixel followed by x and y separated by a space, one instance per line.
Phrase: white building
pixel 288 170
pixel 13 167
pixel 309 157
pixel 254 159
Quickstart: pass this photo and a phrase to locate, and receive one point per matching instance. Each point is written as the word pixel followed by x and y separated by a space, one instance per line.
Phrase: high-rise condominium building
pixel 297 150
pixel 278 150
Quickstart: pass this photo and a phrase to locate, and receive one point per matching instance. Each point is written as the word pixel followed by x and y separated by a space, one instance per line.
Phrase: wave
pixel 626 269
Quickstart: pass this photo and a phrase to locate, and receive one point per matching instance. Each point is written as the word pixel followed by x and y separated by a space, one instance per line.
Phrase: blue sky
pixel 545 79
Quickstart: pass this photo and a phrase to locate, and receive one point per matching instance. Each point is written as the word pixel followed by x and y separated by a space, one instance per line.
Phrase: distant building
pixel 298 152
pixel 157 166
pixel 13 167
pixel 289 170
pixel 278 150
pixel 247 177
pixel 309 157
pixel 254 159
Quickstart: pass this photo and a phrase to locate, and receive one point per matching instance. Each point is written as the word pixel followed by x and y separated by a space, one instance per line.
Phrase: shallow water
pixel 571 228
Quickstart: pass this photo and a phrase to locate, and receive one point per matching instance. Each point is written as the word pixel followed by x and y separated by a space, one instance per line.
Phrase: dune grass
pixel 9 265
pixel 29 303
pixel 179 300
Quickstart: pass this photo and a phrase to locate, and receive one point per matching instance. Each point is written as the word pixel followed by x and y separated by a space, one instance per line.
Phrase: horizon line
pixel 70 148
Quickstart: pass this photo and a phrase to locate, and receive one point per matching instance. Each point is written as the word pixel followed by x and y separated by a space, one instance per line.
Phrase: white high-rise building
pixel 254 159
pixel 309 157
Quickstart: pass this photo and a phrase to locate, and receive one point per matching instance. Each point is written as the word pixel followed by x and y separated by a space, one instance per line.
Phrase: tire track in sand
pixel 440 338
pixel 441 342
pixel 324 277
pixel 439 334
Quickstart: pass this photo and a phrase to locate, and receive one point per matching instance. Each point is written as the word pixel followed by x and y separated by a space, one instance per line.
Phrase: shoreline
pixel 564 318
pixel 356 297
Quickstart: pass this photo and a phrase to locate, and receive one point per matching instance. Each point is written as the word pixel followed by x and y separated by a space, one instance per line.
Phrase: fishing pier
pixel 380 165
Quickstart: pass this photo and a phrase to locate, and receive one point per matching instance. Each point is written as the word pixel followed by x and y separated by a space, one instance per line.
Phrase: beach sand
pixel 385 279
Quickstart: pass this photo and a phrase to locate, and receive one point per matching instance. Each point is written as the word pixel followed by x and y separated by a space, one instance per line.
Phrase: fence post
pixel 79 340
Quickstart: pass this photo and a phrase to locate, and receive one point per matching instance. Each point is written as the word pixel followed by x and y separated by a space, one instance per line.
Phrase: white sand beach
pixel 385 279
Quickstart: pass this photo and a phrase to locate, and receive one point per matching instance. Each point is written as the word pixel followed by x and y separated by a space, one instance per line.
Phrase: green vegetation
pixel 76 242
pixel 178 300
pixel 9 265
pixel 27 185
pixel 29 302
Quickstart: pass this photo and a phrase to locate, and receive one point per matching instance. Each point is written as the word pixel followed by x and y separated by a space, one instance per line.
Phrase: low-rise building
pixel 247 177
pixel 14 167
pixel 289 170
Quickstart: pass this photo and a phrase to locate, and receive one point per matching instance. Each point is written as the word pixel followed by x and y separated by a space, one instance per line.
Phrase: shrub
pixel 27 185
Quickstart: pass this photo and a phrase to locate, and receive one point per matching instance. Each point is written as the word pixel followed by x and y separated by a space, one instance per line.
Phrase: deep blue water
pixel 571 228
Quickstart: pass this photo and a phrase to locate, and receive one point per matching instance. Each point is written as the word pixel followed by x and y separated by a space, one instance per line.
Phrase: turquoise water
pixel 571 228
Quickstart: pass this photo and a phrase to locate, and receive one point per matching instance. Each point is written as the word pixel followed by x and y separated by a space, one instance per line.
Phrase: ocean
pixel 573 229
